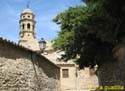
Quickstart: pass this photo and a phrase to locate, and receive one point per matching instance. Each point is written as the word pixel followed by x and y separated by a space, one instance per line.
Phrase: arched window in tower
pixel 28 26
pixel 23 26
pixel 23 16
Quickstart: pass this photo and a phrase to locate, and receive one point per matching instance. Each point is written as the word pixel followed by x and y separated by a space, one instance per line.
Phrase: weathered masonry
pixel 22 69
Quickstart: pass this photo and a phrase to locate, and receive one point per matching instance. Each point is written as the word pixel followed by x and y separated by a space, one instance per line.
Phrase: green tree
pixel 92 31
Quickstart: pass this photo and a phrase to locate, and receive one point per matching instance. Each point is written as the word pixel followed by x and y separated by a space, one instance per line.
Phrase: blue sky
pixel 45 11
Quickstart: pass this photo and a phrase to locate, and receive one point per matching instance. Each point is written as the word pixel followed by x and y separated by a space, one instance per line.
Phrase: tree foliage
pixel 91 31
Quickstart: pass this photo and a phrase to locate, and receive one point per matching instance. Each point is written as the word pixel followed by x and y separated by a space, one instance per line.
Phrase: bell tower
pixel 27 30
pixel 27 25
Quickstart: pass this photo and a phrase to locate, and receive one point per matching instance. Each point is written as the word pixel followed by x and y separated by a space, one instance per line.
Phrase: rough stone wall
pixel 113 73
pixel 24 70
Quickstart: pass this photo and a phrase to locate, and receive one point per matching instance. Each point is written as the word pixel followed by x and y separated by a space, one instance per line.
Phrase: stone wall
pixel 24 70
pixel 112 73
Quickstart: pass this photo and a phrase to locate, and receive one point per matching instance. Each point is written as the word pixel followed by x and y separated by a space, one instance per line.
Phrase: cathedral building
pixel 71 78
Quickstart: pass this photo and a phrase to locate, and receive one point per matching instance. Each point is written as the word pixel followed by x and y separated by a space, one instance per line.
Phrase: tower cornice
pixel 25 31
pixel 27 20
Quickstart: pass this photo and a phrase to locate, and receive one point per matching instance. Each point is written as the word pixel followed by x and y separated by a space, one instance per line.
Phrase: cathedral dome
pixel 27 10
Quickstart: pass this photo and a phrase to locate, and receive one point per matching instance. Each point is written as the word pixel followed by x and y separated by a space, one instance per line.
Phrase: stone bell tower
pixel 27 30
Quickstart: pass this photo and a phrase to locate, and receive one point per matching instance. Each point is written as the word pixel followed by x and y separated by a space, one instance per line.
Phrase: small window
pixel 28 16
pixel 92 71
pixel 65 73
pixel 23 16
pixel 28 35
pixel 28 26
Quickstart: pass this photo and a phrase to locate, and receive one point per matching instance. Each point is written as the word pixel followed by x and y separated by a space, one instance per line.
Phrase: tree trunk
pixel 112 73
